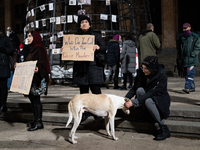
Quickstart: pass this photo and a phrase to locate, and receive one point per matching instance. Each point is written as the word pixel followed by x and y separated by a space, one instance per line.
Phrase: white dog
pixel 104 105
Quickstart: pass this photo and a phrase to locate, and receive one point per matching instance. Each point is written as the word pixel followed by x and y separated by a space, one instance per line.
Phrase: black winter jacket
pixel 113 52
pixel 6 50
pixel 155 88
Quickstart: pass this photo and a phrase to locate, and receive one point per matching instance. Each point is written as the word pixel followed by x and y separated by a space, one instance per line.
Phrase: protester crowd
pixel 148 89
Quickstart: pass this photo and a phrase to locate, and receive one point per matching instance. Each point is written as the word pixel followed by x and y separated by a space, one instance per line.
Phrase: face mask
pixel 187 33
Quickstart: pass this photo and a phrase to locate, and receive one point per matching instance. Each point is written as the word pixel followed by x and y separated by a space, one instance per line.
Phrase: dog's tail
pixel 70 114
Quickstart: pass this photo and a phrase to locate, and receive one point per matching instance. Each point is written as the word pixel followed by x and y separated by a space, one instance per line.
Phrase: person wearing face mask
pixel 150 91
pixel 187 57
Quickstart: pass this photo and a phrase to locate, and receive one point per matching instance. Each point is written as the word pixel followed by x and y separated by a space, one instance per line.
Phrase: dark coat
pixel 6 50
pixel 155 88
pixel 87 72
pixel 113 52
pixel 188 50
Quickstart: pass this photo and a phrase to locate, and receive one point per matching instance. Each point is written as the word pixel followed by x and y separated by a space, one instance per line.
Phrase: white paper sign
pixel 76 18
pixel 29 13
pixel 32 11
pixel 56 51
pixel 104 17
pixel 114 18
pixel 57 20
pixel 43 22
pixel 52 19
pixel 63 19
pixel 107 2
pixel 32 25
pixel 50 6
pixel 42 8
pixel 72 2
pixel 69 19
pixel 60 34
pixel 37 24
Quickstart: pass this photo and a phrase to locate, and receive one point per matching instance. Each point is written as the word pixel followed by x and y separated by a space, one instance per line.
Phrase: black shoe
pixel 130 86
pixel 192 90
pixel 123 88
pixel 116 87
pixel 186 91
pixel 106 84
pixel 97 117
pixel 31 125
pixel 3 108
pixel 85 115
pixel 38 125
pixel 164 133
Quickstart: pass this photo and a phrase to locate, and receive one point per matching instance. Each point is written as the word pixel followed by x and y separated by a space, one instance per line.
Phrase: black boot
pixel 34 118
pixel 164 133
pixel 3 108
pixel 85 115
pixel 38 123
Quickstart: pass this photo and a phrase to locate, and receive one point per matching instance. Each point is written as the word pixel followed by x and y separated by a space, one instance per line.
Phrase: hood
pixel 146 31
pixel 130 43
pixel 112 41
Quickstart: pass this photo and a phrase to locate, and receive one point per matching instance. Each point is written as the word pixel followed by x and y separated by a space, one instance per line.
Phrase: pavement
pixel 14 135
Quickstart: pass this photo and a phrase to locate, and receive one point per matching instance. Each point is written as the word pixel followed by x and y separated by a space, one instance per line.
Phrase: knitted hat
pixel 116 37
pixel 150 62
pixel 186 25
pixel 83 17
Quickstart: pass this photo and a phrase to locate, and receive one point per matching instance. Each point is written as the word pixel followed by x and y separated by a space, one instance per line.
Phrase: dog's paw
pixel 115 138
pixel 75 137
pixel 74 141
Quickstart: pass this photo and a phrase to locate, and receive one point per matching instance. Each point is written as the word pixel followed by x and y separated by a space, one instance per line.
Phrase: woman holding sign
pixel 87 74
pixel 40 79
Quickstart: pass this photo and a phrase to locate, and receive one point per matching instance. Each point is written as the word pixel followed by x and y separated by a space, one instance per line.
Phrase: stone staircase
pixel 184 120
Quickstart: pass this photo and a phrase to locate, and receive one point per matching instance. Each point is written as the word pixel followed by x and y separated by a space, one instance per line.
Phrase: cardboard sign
pixel 78 47
pixel 23 77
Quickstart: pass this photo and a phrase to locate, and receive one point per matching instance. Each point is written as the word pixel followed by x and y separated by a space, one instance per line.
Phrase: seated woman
pixel 150 88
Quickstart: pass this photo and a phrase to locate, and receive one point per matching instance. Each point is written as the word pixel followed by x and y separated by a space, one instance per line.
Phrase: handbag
pixel 39 90
pixel 101 59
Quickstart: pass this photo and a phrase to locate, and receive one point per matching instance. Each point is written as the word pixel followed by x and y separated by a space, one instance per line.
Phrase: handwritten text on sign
pixel 78 47
pixel 23 77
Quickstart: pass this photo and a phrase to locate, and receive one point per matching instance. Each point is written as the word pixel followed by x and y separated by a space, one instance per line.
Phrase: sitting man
pixel 150 88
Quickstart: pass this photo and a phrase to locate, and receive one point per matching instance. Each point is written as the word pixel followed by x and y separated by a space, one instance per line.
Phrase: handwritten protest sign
pixel 78 47
pixel 23 77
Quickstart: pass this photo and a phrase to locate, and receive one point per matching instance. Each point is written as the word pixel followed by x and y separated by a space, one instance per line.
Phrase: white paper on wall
pixel 76 18
pixel 32 12
pixel 107 2
pixel 63 19
pixel 43 22
pixel 52 19
pixel 60 34
pixel 114 18
pixel 72 2
pixel 57 20
pixel 37 24
pixel 104 17
pixel 69 19
pixel 50 6
pixel 42 7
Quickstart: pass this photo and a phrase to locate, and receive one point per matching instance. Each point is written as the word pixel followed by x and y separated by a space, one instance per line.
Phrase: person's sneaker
pixel 186 91
pixel 123 88
pixel 106 84
pixel 192 90
pixel 130 86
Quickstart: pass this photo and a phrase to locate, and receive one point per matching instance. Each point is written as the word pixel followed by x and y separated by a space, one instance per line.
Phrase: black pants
pixel 3 91
pixel 35 100
pixel 95 88
pixel 125 78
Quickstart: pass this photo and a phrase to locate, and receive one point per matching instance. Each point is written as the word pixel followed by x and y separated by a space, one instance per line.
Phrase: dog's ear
pixel 126 99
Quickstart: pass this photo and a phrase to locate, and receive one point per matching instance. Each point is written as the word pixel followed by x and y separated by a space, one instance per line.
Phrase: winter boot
pixel 34 117
pixel 38 123
pixel 3 108
pixel 164 133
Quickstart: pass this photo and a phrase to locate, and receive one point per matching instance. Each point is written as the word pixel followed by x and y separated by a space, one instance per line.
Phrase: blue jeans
pixel 10 80
pixel 189 78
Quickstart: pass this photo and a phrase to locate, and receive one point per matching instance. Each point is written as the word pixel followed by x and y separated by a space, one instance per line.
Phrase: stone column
pixel 168 24
pixel 8 12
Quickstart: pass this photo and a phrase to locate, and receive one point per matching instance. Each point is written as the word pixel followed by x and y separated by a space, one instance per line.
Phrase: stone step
pixel 189 129
pixel 178 111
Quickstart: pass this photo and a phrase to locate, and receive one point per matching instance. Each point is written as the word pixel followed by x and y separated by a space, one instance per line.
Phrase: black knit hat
pixel 150 62
pixel 83 17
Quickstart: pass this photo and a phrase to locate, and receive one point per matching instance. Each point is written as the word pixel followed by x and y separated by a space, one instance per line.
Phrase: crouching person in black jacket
pixel 6 50
pixel 150 88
